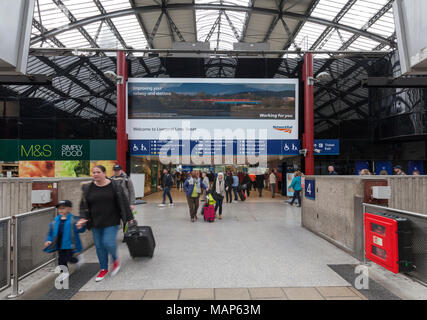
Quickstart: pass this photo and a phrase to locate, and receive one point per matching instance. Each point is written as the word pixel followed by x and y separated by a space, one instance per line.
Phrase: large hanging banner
pixel 250 116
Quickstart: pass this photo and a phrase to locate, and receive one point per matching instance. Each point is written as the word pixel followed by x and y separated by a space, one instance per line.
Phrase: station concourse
pixel 110 107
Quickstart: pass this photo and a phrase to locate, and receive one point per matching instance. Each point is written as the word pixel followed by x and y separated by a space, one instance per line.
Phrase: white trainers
pixel 170 204
pixel 162 205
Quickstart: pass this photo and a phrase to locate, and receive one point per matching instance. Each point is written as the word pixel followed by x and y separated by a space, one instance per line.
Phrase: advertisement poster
pixel 77 168
pixel 29 169
pixel 245 111
pixel 289 178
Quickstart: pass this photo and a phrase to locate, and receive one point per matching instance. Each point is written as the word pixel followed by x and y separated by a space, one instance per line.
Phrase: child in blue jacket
pixel 63 235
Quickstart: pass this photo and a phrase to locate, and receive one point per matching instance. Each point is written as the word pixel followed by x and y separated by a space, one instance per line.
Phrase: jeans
pixel 297 195
pixel 168 193
pixel 260 191
pixel 105 243
pixel 218 204
pixel 273 188
pixel 235 193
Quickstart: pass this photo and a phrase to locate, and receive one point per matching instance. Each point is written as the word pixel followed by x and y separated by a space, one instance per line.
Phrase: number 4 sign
pixel 310 189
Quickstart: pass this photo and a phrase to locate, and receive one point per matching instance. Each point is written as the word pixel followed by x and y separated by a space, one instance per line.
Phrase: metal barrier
pixel 28 244
pixel 5 224
pixel 419 238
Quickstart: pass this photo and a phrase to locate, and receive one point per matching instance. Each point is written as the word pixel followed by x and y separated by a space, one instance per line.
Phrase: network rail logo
pixel 285 129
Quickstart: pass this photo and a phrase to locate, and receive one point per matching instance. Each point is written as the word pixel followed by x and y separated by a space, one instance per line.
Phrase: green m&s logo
pixel 36 151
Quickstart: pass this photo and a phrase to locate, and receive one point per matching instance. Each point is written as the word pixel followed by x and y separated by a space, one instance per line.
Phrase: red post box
pixel 388 241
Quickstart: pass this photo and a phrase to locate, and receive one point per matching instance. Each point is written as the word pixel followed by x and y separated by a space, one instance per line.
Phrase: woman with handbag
pixel 102 207
pixel 218 193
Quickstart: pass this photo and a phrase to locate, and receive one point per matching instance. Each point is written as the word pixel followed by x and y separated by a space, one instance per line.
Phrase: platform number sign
pixel 310 189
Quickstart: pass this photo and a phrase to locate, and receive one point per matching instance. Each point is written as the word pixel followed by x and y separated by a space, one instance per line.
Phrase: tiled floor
pixel 302 293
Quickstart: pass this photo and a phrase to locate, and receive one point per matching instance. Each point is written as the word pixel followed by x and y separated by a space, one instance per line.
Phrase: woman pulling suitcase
pixel 102 207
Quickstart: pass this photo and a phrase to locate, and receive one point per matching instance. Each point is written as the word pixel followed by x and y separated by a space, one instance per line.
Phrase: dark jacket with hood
pixel 122 201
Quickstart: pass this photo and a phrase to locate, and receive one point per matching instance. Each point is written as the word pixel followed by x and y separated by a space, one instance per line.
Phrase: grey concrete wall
pixel 331 214
pixel 15 196
pixel 408 193
pixel 336 213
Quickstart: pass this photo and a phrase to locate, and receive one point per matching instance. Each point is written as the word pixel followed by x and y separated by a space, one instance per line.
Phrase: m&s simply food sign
pixel 40 150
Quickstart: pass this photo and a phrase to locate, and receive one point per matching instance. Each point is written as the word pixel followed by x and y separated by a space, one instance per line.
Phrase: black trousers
pixel 66 256
pixel 297 195
pixel 229 195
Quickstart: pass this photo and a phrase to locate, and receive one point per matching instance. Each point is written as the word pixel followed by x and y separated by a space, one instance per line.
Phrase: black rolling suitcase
pixel 140 241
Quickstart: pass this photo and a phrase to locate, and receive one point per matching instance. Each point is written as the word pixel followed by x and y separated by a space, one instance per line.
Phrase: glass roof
pixel 221 22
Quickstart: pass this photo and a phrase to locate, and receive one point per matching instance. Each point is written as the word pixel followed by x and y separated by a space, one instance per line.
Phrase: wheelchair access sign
pixel 310 189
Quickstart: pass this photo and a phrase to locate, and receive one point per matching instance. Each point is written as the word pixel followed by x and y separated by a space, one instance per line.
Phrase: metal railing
pixel 419 237
pixel 5 225
pixel 25 243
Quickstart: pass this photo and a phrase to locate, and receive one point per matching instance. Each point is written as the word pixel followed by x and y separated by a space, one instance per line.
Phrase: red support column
pixel 308 137
pixel 121 110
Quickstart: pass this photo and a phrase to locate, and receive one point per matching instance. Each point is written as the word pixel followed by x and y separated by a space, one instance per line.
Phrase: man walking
pixel 126 183
pixel 167 183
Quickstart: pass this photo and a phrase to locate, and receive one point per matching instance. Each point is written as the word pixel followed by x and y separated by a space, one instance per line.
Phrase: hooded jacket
pixel 70 236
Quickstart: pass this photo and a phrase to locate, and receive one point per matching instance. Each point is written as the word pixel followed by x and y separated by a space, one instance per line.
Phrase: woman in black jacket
pixel 102 207
pixel 229 187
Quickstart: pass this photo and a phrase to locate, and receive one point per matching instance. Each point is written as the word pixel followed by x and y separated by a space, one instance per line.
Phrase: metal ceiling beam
pixel 248 17
pixel 236 33
pixel 342 54
pixel 173 28
pixel 194 23
pixel 369 24
pixel 273 25
pixel 141 23
pixel 73 19
pixel 111 24
pixel 387 82
pixel 32 80
pixel 328 30
pixel 42 30
pixel 66 73
pixel 303 19
pixel 155 28
pixel 183 6
pixel 209 35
